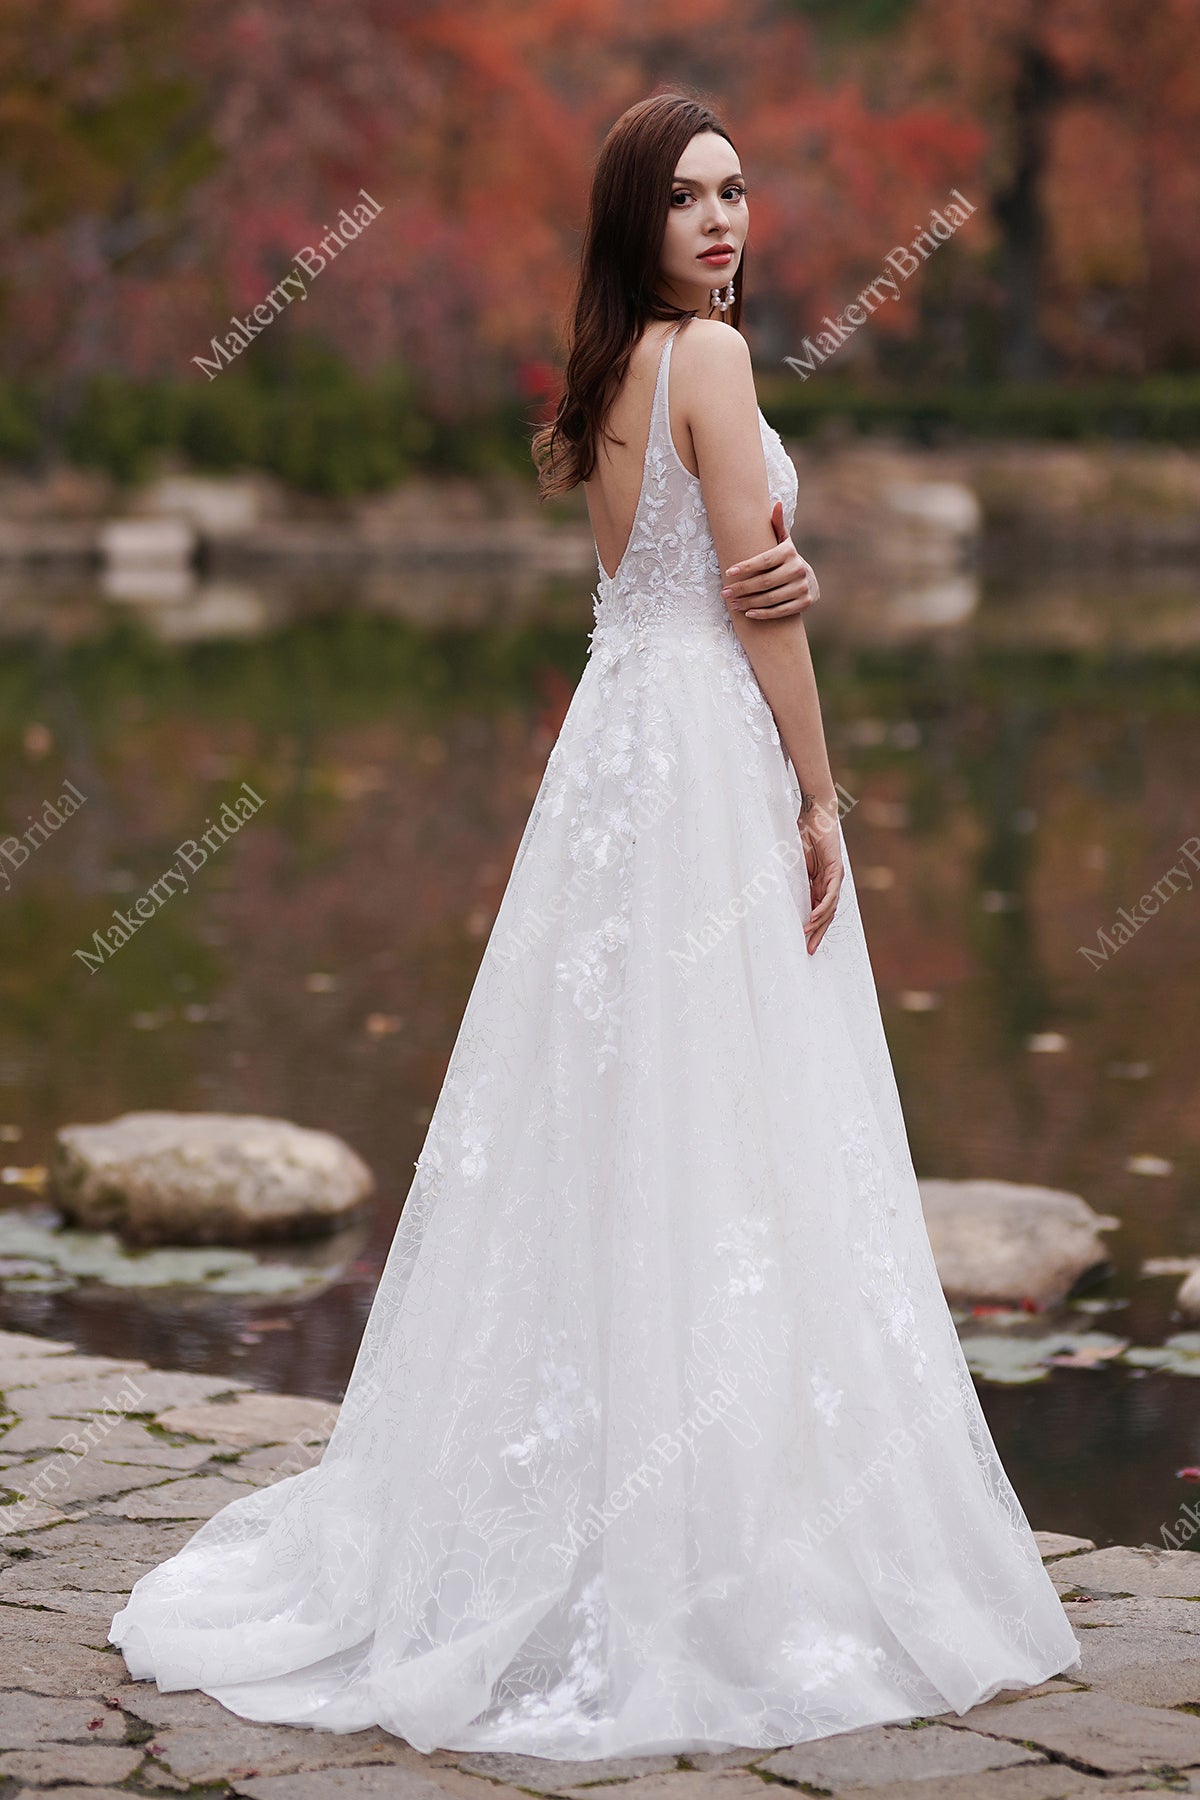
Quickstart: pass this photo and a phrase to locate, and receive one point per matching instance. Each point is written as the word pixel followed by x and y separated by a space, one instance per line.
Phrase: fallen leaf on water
pixel 1002 1310
pixel 150 1021
pixel 1015 1359
pixel 34 1177
pixel 1148 1165
pixel 1088 1355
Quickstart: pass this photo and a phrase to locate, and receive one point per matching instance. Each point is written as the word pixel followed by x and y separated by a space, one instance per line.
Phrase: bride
pixel 659 1437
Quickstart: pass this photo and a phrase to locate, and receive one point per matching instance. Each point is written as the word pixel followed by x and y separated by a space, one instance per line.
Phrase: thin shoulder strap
pixel 660 408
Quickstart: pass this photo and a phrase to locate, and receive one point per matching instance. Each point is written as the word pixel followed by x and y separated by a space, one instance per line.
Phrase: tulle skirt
pixel 659 1437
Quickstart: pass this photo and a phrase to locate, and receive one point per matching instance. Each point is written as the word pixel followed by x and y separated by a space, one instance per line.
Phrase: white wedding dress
pixel 659 1437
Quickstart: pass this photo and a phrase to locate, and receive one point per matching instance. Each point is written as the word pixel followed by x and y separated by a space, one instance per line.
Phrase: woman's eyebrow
pixel 689 181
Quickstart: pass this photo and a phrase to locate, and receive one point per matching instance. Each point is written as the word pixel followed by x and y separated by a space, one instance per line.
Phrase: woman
pixel 659 1437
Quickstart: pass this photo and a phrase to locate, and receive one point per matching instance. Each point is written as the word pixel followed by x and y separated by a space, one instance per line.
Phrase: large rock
pixel 159 543
pixel 206 1178
pixel 1187 1300
pixel 1005 1241
pixel 219 506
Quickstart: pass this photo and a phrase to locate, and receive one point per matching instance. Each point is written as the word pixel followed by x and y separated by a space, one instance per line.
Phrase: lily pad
pixel 1014 1360
pixel 262 1278
pixel 100 1256
pixel 1179 1355
pixel 1009 1360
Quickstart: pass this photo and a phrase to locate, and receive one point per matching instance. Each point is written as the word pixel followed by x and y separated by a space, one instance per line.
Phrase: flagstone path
pixel 107 1466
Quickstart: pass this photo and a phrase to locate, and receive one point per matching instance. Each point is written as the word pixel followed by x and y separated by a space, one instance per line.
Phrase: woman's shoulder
pixel 712 357
pixel 712 346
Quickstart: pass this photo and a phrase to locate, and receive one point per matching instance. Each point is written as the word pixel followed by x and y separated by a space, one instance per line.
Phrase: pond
pixel 1022 765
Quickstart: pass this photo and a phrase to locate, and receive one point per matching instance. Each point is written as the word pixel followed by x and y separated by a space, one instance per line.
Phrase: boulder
pixel 1003 1242
pixel 219 506
pixel 1187 1300
pixel 206 1178
pixel 153 543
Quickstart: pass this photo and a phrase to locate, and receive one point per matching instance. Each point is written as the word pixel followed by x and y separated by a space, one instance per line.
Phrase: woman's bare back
pixel 616 482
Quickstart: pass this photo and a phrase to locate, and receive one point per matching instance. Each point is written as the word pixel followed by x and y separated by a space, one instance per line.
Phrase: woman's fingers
pixel 792 597
pixel 755 573
pixel 823 911
pixel 819 928
pixel 816 938
pixel 783 609
pixel 788 571
pixel 825 884
pixel 790 584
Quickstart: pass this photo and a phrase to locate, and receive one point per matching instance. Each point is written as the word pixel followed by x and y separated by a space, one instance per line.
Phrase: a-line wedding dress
pixel 660 1436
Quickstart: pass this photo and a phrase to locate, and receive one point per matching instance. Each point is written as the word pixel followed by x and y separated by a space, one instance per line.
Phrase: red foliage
pixel 249 125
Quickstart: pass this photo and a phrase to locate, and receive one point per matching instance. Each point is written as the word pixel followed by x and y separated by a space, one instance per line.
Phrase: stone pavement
pixel 108 1466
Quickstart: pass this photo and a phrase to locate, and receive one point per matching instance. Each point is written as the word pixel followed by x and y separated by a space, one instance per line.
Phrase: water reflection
pixel 1024 754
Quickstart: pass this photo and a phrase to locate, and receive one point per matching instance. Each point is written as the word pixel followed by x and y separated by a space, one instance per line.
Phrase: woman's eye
pixel 738 192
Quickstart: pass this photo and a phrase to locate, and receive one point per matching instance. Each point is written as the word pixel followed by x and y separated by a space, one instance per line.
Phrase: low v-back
pixel 660 387
pixel 669 566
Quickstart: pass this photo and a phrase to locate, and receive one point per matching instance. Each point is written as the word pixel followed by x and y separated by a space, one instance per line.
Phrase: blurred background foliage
pixel 165 165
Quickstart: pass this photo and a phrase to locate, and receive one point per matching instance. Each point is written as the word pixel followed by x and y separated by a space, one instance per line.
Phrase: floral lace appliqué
pixel 881 1278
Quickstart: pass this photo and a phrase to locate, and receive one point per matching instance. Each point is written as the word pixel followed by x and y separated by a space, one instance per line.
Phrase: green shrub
pixel 1160 407
pixel 304 415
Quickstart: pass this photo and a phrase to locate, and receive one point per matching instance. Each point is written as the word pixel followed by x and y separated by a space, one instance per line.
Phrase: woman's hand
pixel 777 583
pixel 823 857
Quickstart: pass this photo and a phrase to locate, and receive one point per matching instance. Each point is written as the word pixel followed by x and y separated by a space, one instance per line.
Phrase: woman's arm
pixel 711 363
pixel 721 408
pixel 776 584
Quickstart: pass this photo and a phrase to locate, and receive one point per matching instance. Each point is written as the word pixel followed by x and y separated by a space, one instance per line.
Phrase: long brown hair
pixel 618 270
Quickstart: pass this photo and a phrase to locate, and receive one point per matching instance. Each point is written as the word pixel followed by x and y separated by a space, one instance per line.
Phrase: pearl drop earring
pixel 727 302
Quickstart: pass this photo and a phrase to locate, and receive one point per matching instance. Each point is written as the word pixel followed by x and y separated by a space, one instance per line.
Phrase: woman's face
pixel 707 211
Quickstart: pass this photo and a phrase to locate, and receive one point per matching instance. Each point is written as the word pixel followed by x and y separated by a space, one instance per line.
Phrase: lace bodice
pixel 670 571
